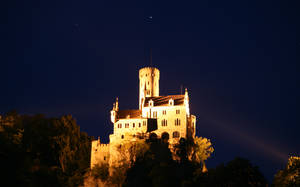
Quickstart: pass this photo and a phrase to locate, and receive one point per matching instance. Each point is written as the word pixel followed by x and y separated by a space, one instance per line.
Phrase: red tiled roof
pixel 164 100
pixel 122 114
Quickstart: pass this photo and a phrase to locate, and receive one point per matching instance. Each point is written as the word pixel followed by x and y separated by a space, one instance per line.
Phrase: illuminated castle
pixel 167 117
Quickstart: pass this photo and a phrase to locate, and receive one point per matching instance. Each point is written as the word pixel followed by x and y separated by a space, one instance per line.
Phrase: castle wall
pixel 99 153
pixel 135 127
pixel 170 116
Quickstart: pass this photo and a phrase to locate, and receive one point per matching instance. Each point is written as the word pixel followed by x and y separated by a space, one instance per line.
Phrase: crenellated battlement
pixel 99 152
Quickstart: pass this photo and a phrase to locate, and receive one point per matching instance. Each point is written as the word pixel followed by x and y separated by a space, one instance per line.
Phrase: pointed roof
pixel 164 100
pixel 125 114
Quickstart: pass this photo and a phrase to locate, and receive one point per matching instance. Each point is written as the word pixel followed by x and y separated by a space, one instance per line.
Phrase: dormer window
pixel 171 102
pixel 151 103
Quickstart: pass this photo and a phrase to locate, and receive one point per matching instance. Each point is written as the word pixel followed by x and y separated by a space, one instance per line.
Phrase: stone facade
pixel 158 116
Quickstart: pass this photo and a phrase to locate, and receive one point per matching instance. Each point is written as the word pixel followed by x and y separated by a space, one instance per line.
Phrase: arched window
pixel 176 134
pixel 171 102
pixel 151 103
pixel 122 136
pixel 152 136
pixel 165 135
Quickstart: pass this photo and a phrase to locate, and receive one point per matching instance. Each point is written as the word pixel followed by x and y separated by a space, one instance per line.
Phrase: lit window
pixel 126 125
pixel 119 125
pixel 155 114
pixel 151 103
pixel 177 122
pixel 164 122
pixel 171 102
pixel 176 134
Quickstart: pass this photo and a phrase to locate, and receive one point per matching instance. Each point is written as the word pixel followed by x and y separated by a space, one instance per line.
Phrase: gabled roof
pixel 164 100
pixel 124 114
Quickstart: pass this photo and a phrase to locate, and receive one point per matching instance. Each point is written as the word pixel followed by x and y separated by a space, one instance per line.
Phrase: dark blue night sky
pixel 238 59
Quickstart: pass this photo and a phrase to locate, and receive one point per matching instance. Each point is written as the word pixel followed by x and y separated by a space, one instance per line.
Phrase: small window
pixel 126 125
pixel 151 103
pixel 104 158
pixel 139 124
pixel 133 125
pixel 164 122
pixel 155 114
pixel 122 136
pixel 144 123
pixel 171 102
pixel 177 111
pixel 148 82
pixel 176 134
pixel 164 112
pixel 119 125
pixel 177 122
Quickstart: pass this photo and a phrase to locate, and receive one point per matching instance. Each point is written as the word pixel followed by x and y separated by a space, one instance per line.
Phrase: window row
pixel 164 112
pixel 164 122
pixel 133 125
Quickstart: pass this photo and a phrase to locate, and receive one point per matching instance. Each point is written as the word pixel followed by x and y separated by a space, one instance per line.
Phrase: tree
pixel 196 149
pixel 40 151
pixel 100 171
pixel 201 150
pixel 238 172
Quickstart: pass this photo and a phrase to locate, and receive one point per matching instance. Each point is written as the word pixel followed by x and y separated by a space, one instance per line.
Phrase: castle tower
pixel 149 83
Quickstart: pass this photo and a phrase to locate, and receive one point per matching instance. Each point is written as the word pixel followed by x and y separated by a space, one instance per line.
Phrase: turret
pixel 149 83
pixel 113 112
pixel 186 102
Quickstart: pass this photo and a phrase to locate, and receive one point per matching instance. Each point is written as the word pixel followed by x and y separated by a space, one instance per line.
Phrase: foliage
pixel 290 176
pixel 238 172
pixel 40 151
pixel 131 149
pixel 155 168
pixel 201 150
pixel 101 171
pixel 196 150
